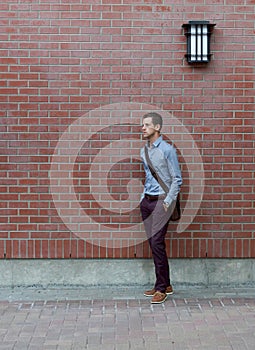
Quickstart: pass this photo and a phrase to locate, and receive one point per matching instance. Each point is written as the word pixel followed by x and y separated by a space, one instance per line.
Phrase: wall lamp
pixel 198 41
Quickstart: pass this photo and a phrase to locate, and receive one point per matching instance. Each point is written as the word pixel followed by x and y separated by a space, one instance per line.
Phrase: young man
pixel 156 205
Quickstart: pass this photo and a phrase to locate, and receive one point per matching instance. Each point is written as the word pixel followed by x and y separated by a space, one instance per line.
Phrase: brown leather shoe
pixel 150 293
pixel 169 290
pixel 158 298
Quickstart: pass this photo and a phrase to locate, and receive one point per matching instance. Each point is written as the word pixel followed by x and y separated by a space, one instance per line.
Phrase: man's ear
pixel 157 127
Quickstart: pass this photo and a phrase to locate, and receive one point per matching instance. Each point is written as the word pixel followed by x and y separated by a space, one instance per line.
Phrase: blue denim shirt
pixel 164 159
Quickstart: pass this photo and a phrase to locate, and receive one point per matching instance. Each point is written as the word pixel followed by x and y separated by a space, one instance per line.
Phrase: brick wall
pixel 102 62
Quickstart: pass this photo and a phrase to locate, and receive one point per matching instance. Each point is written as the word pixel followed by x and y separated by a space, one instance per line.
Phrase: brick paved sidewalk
pixel 204 323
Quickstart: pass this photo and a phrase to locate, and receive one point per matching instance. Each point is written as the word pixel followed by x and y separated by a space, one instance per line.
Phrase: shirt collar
pixel 157 142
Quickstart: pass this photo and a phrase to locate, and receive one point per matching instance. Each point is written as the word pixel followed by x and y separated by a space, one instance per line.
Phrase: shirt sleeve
pixel 175 173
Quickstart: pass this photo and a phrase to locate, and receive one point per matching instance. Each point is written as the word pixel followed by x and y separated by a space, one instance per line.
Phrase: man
pixel 156 205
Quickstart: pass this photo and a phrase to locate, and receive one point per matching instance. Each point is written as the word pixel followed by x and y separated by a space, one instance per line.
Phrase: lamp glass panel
pixel 193 43
pixel 199 43
pixel 205 43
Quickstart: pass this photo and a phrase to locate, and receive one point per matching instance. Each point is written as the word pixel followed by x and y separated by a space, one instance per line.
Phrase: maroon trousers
pixel 156 222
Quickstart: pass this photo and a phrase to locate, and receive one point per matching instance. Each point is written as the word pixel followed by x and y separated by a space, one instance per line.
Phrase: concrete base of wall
pixel 199 272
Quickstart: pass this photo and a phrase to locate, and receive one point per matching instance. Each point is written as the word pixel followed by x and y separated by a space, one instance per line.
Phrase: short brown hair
pixel 156 118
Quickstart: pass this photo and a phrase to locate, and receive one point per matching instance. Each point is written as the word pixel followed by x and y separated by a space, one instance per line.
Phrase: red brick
pixel 246 248
pixel 2 250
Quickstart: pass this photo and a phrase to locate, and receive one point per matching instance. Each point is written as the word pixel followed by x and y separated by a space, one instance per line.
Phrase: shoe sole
pixel 151 295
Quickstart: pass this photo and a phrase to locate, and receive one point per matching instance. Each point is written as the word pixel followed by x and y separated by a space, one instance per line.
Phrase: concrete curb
pixel 94 272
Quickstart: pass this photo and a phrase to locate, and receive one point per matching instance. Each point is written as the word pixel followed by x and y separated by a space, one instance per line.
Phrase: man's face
pixel 149 129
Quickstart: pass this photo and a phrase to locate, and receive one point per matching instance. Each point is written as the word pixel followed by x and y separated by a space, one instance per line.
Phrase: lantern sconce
pixel 198 35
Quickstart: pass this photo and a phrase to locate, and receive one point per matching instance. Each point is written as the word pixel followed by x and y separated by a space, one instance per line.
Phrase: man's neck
pixel 153 139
